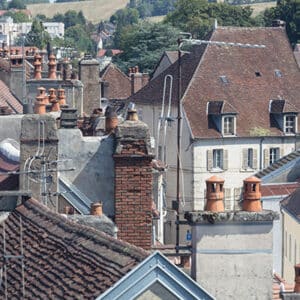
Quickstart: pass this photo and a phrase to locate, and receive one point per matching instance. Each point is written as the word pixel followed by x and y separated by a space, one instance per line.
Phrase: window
pixel 257 74
pixel 228 125
pixel 274 155
pixel 290 124
pixel 218 159
pixel 249 159
pixel 224 79
pixel 278 73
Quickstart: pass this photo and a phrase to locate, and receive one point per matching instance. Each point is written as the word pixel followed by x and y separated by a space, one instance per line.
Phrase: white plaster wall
pixel 233 261
pixel 235 175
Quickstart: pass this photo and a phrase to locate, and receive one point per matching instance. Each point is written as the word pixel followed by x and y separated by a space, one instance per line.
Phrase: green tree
pixel 18 17
pixel 3 4
pixel 197 16
pixel 144 43
pixel 18 4
pixel 288 11
pixel 37 36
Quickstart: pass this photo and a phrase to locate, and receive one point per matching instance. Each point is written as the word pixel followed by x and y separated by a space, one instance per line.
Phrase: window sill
pixel 248 170
pixel 216 170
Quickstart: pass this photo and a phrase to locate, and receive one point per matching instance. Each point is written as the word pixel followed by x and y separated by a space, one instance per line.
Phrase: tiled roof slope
pixel 292 204
pixel 119 83
pixel 250 73
pixel 8 99
pixel 63 260
pixel 279 163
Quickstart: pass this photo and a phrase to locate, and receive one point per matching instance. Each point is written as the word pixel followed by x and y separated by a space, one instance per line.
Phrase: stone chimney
pixel 232 251
pixel 252 195
pixel 37 66
pixel 52 67
pixel 133 183
pixel 215 194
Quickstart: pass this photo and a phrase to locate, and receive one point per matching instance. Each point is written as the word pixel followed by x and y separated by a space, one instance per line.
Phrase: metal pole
pixel 178 146
pixel 24 101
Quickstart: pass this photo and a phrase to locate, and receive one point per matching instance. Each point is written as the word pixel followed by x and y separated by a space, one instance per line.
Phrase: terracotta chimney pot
pixel 297 279
pixel 96 209
pixel 252 195
pixel 111 120
pixel 215 194
pixel 52 67
pixel 61 97
pixel 53 100
pixel 37 67
pixel 132 115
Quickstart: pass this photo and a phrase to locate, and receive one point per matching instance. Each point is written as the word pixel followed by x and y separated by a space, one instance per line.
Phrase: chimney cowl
pixel 252 194
pixel 96 209
pixel 215 194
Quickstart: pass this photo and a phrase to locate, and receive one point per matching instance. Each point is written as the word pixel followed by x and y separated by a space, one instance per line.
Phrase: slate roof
pixel 119 84
pixel 8 99
pixel 63 260
pixel 251 79
pixel 293 156
pixel 292 204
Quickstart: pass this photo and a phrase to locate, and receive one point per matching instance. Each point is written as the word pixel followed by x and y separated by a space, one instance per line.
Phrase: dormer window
pixel 228 125
pixel 290 124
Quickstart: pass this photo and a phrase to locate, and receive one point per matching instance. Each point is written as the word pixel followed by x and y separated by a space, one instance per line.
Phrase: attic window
pixel 257 74
pixel 278 73
pixel 224 79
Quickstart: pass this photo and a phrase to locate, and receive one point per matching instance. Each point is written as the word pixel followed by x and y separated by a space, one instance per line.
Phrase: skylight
pixel 224 79
pixel 278 73
pixel 257 74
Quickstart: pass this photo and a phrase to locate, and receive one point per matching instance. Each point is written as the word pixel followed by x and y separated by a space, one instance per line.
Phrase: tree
pixel 288 11
pixel 37 36
pixel 18 4
pixel 18 17
pixel 197 16
pixel 144 43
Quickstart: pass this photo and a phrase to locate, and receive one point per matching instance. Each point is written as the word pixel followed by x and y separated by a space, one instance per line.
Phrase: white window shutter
pixel 209 160
pixel 225 159
pixel 237 198
pixel 227 199
pixel 245 158
pixel 266 158
pixel 281 152
pixel 255 159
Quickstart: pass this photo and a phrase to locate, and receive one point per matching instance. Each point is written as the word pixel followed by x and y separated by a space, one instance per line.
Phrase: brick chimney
pixel 215 194
pixel 52 67
pixel 252 195
pixel 37 66
pixel 133 183
pixel 136 79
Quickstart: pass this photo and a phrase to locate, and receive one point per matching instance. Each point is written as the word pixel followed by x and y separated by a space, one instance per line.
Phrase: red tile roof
pixel 8 99
pixel 114 52
pixel 250 73
pixel 63 260
pixel 278 189
pixel 119 84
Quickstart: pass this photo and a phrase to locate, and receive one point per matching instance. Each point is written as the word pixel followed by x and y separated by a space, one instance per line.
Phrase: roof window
pixel 224 79
pixel 278 73
pixel 257 74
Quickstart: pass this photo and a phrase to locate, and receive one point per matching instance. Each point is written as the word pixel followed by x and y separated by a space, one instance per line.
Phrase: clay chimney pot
pixel 252 194
pixel 96 209
pixel 215 194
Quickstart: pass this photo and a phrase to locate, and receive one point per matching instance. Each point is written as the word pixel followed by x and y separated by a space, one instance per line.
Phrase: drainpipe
pixel 261 153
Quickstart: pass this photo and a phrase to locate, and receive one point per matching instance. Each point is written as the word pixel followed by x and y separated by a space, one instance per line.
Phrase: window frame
pixel 228 128
pixel 274 154
pixel 290 126
pixel 218 159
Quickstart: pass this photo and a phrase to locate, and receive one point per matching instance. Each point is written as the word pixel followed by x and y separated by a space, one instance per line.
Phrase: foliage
pixel 18 4
pixel 77 37
pixel 124 17
pixel 70 18
pixel 37 36
pixel 148 8
pixel 288 11
pixel 18 17
pixel 197 16
pixel 3 4
pixel 144 43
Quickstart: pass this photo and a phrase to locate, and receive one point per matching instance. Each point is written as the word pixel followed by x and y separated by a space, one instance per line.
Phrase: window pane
pixel 290 124
pixel 250 158
pixel 228 125
pixel 274 155
pixel 218 158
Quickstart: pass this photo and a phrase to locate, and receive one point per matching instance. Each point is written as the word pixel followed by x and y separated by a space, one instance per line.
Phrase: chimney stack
pixel 37 66
pixel 215 194
pixel 132 113
pixel 252 195
pixel 96 209
pixel 111 120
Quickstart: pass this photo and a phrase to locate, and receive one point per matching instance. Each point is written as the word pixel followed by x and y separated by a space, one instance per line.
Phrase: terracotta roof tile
pixel 278 189
pixel 8 99
pixel 63 260
pixel 119 84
